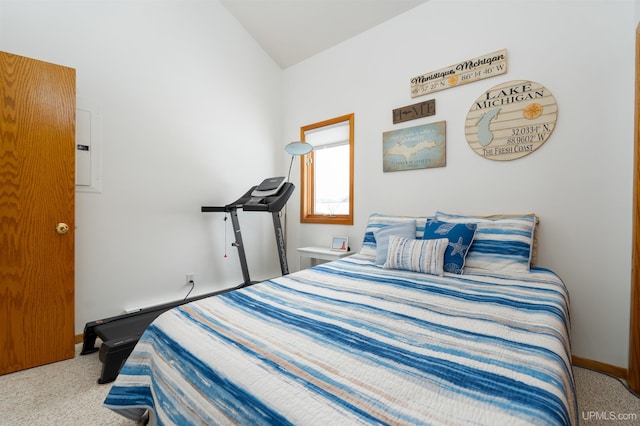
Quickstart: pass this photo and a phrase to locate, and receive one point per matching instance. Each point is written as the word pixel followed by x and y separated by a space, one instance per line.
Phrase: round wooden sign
pixel 511 120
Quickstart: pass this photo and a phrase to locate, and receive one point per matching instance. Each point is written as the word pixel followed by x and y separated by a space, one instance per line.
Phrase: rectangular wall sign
pixel 411 112
pixel 468 71
pixel 419 147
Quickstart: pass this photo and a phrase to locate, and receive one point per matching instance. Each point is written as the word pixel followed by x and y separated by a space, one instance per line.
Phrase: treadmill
pixel 270 196
pixel 119 334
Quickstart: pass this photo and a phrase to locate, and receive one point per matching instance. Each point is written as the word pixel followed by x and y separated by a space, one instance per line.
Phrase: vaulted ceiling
pixel 291 31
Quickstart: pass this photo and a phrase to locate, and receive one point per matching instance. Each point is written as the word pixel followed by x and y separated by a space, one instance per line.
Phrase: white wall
pixel 190 116
pixel 579 182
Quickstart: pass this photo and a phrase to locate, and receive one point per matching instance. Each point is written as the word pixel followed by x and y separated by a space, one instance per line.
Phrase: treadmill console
pixel 269 187
pixel 270 195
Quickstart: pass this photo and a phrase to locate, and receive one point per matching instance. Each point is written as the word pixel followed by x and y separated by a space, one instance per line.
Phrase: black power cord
pixel 193 285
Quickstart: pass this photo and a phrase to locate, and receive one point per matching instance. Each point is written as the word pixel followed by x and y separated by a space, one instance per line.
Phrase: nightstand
pixel 320 253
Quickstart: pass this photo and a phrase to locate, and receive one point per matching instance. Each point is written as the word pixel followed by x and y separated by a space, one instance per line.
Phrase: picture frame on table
pixel 340 244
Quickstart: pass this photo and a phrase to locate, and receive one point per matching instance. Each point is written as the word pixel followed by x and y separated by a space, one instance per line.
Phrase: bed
pixel 401 333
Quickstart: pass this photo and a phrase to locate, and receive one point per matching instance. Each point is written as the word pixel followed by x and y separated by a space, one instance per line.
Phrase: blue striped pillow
pixel 501 243
pixel 426 256
pixel 378 220
pixel 406 229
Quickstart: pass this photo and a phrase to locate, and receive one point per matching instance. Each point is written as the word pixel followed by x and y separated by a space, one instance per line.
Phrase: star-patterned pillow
pixel 460 236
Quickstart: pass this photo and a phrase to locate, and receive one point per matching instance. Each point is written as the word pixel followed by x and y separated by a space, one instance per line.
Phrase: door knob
pixel 62 228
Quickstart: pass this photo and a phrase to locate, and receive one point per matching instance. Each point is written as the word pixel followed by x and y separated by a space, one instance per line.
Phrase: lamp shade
pixel 298 148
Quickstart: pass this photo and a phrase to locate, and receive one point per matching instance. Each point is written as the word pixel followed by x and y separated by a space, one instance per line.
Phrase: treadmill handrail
pixel 273 203
pixel 248 202
pixel 221 209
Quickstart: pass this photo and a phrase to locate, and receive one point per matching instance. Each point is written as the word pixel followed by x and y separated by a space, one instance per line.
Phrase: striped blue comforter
pixel 348 342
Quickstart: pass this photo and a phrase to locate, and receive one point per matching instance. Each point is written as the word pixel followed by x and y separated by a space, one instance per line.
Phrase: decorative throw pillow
pixel 406 229
pixel 377 221
pixel 500 244
pixel 460 236
pixel 425 256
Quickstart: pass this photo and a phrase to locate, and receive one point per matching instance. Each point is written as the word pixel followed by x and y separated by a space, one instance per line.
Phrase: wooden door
pixel 37 166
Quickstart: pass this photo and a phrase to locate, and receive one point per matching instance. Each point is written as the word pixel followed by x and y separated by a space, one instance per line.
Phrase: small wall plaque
pixel 411 112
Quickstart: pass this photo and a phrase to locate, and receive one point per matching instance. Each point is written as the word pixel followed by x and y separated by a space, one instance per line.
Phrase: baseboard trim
pixel 79 338
pixel 619 372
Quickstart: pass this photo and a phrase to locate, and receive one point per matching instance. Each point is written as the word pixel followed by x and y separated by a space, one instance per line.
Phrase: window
pixel 327 172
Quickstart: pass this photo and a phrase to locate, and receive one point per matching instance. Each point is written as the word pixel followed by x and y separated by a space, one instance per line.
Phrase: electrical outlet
pixel 191 277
